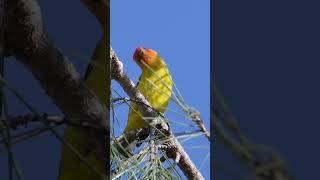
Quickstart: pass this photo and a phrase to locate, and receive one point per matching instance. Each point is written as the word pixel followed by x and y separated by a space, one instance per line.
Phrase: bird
pixel 155 83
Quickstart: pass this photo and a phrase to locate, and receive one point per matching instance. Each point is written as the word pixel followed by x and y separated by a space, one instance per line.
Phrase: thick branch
pixel 28 41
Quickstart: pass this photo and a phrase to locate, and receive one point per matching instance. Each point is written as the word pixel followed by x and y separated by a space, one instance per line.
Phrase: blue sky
pixel 180 32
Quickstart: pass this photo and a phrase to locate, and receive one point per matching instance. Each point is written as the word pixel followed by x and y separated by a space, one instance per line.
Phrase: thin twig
pixel 196 118
pixel 15 122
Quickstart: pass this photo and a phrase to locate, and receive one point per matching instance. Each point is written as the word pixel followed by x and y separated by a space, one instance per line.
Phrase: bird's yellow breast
pixel 156 86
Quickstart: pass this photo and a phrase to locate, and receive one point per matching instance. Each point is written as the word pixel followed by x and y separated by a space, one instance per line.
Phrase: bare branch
pixel 196 118
pixel 28 41
pixel 15 122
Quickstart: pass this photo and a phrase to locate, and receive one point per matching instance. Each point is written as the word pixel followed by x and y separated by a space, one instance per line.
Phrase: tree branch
pixel 196 118
pixel 15 122
pixel 173 147
pixel 28 41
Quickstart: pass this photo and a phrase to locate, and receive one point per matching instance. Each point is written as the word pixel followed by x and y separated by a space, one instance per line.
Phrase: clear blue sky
pixel 180 31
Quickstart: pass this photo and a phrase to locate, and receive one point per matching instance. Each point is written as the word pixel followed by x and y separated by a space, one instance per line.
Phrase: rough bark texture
pixel 28 41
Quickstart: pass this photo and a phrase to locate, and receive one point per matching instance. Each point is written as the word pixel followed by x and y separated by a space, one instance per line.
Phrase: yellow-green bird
pixel 155 83
pixel 96 79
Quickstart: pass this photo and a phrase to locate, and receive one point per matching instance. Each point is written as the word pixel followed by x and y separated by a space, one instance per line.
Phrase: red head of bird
pixel 145 57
